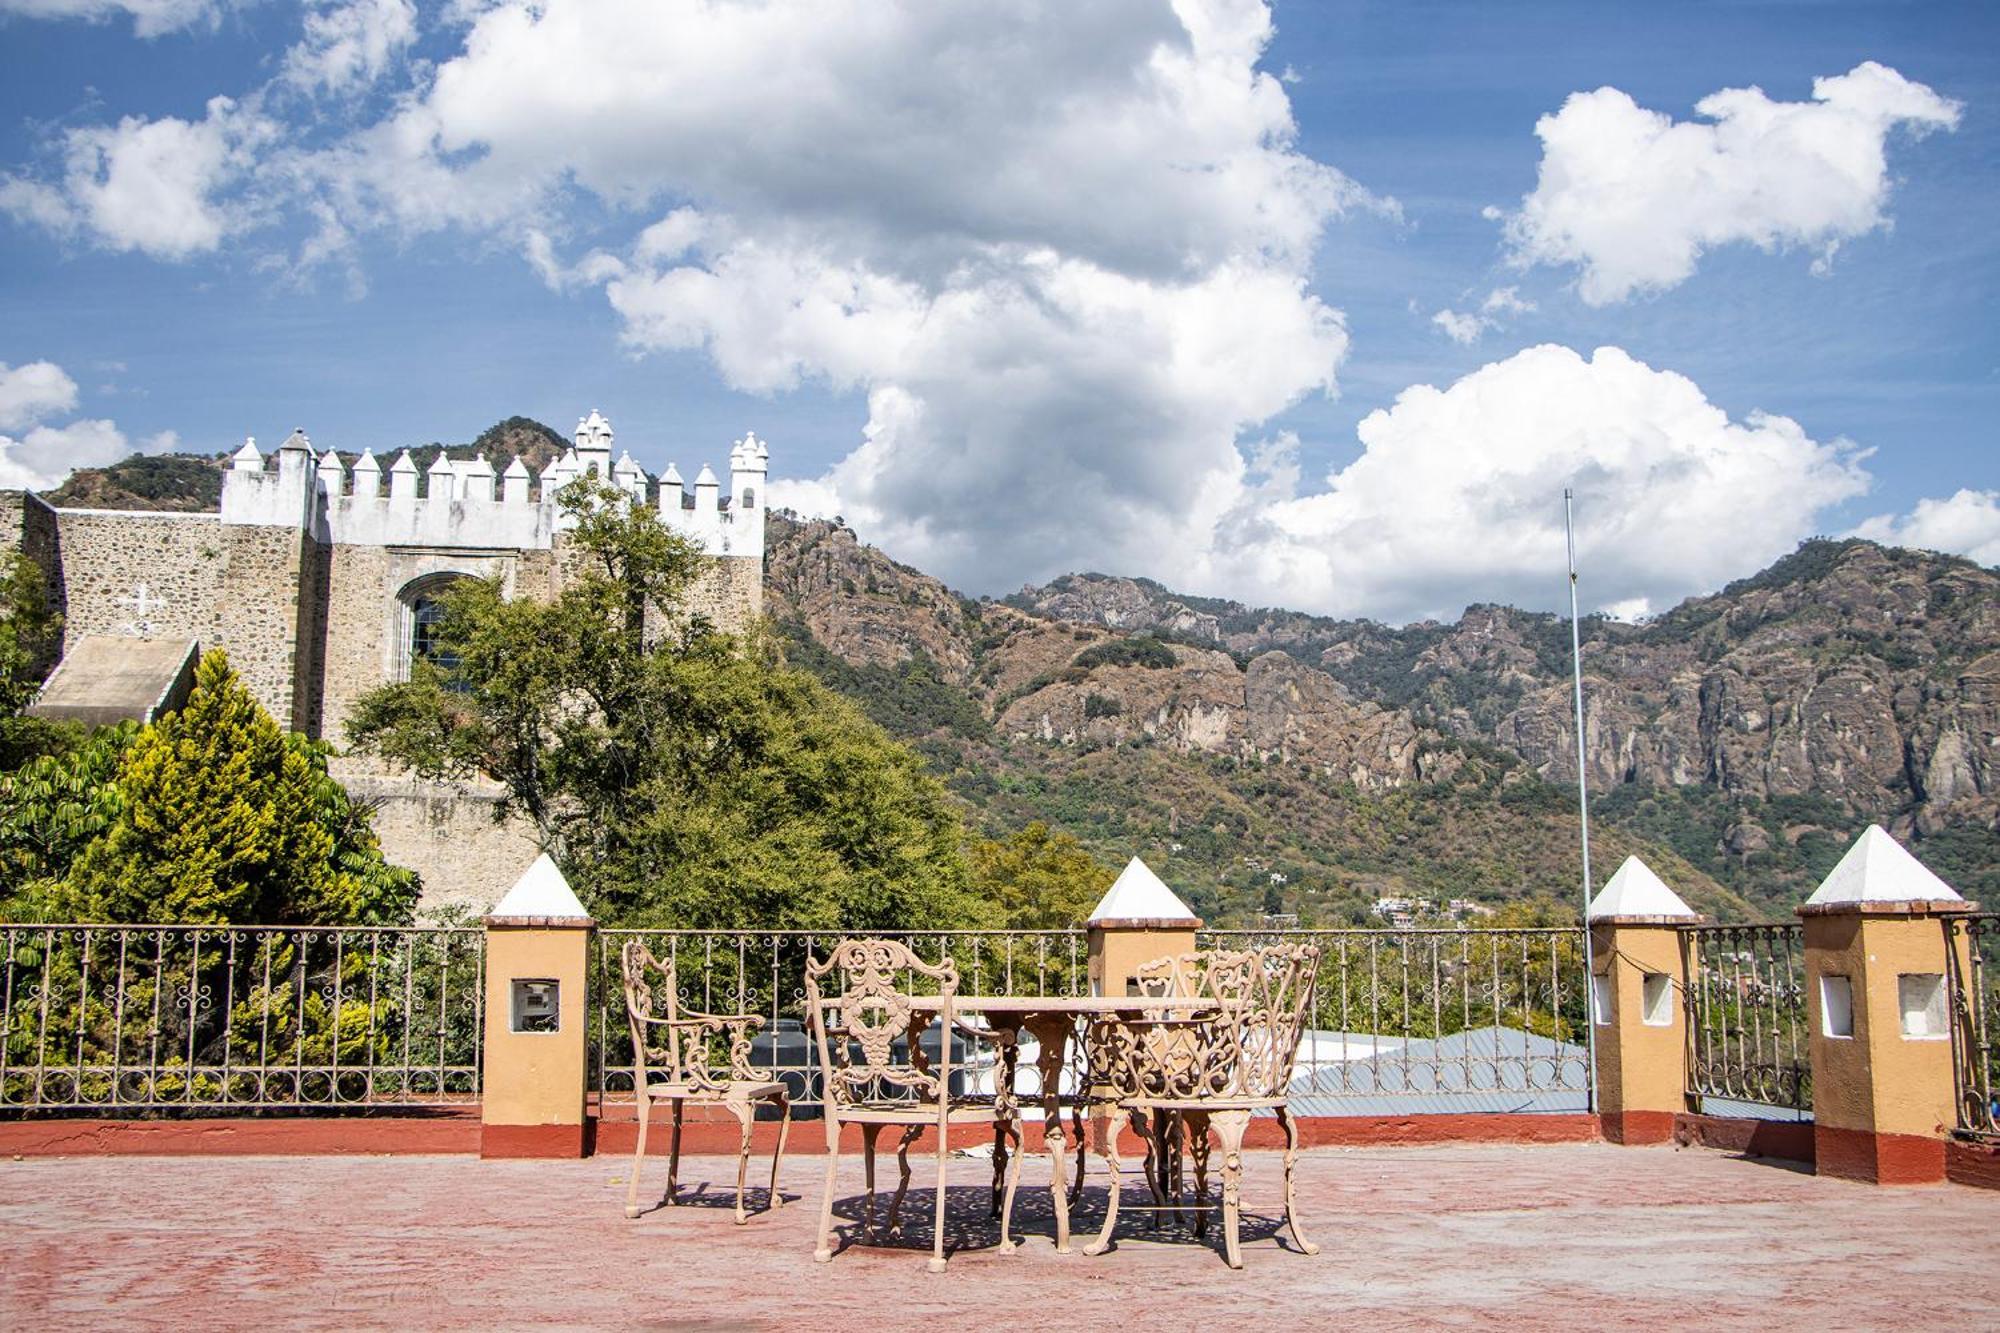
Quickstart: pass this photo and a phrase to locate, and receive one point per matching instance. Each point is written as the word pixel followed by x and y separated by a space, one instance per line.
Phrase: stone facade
pixel 311 574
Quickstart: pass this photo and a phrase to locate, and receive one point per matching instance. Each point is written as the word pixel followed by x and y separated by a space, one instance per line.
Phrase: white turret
pixel 560 474
pixel 514 482
pixel 403 481
pixel 749 460
pixel 367 476
pixel 475 480
pixel 247 459
pixel 673 495
pixel 593 444
pixel 443 479
pixel 332 475
pixel 630 478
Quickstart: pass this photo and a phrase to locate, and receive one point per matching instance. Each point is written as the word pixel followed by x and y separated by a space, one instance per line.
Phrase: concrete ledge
pixel 1967 1162
pixel 1878 1159
pixel 1791 1140
pixel 445 1132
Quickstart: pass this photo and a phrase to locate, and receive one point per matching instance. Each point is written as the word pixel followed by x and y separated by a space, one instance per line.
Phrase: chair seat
pixel 920 1113
pixel 736 1090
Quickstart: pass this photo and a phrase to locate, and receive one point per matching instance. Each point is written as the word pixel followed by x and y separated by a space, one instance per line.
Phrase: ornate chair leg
pixel 638 1160
pixel 1013 1179
pixel 746 1114
pixel 943 1156
pixel 1155 1163
pixel 869 1133
pixel 1291 1128
pixel 999 1165
pixel 825 1251
pixel 674 1154
pixel 1115 1119
pixel 1082 1144
pixel 1229 1127
pixel 1197 1130
pixel 903 1142
pixel 778 1153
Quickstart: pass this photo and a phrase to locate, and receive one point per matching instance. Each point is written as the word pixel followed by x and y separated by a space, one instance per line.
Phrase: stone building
pixel 321 583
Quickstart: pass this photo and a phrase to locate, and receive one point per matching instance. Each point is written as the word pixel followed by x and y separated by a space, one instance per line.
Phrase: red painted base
pixel 1636 1128
pixel 708 1130
pixel 534 1141
pixel 445 1132
pixel 1791 1140
pixel 1975 1164
pixel 1880 1159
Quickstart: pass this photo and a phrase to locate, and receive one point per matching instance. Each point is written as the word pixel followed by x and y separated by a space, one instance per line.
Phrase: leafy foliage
pixel 1144 651
pixel 907 700
pixel 679 777
pixel 1037 879
pixel 214 816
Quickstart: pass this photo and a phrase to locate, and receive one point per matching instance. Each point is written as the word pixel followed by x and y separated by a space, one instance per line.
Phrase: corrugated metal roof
pixel 1490 1069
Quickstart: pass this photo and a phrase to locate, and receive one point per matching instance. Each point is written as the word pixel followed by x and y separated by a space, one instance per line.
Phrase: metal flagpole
pixel 1582 807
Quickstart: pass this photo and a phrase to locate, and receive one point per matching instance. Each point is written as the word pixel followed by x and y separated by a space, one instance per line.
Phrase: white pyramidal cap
pixel 297 440
pixel 705 477
pixel 625 463
pixel 329 462
pixel 247 456
pixel 404 463
pixel 1140 895
pixel 367 462
pixel 1636 891
pixel 442 466
pixel 1877 869
pixel 478 467
pixel 541 892
pixel 516 468
pixel 671 477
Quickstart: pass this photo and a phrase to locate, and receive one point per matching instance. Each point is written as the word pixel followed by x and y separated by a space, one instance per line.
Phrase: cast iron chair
pixel 857 1028
pixel 678 1059
pixel 1213 1070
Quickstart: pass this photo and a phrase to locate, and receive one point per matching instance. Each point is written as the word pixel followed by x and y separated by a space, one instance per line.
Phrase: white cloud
pixel 1633 198
pixel 46 455
pixel 149 185
pixel 1467 327
pixel 349 44
pixel 33 391
pixel 150 18
pixel 1966 523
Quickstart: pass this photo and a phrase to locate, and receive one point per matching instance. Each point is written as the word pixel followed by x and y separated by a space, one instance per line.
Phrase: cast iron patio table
pixel 1051 1020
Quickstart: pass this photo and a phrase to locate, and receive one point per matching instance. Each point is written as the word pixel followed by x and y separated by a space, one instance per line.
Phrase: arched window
pixel 423 612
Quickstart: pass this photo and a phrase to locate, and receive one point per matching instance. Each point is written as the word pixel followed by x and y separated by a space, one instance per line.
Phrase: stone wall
pixel 179 560
pixel 268 607
pixel 730 592
pixel 446 833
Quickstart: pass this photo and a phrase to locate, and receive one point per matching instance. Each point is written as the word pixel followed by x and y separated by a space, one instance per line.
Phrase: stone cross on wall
pixel 143 604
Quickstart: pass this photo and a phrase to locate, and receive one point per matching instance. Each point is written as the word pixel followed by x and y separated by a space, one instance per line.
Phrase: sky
pixel 1312 305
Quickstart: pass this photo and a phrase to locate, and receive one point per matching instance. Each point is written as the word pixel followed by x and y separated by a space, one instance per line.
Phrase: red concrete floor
pixel 1462 1236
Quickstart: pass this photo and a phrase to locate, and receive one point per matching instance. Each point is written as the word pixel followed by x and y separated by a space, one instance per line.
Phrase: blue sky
pixel 1020 290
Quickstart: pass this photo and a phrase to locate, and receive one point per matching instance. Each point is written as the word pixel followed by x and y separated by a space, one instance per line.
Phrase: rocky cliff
pixel 1753 730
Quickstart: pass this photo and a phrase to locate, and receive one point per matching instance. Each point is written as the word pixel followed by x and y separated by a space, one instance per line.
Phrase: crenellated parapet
pixel 464 503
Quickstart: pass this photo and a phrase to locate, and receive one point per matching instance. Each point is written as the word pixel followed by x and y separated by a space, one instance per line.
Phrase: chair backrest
pixel 1248 1044
pixel 861 1013
pixel 693 1051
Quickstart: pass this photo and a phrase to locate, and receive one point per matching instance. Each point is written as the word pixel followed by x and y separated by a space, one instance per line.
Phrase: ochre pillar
pixel 1883 1098
pixel 537 980
pixel 1119 947
pixel 1639 981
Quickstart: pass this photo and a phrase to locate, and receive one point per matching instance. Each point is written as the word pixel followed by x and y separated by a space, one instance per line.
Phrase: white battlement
pixel 464 504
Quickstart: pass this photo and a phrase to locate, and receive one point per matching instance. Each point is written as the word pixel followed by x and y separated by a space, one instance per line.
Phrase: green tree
pixel 221 817
pixel 1037 879
pixel 30 641
pixel 679 776
pixel 52 808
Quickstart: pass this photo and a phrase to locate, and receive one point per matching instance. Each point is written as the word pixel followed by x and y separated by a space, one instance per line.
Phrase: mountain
pixel 1739 741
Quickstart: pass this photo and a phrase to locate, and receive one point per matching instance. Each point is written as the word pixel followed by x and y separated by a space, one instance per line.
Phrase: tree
pixel 1037 879
pixel 680 777
pixel 30 640
pixel 221 817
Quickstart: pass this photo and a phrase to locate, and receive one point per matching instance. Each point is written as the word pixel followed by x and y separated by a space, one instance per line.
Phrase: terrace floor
pixel 1465 1235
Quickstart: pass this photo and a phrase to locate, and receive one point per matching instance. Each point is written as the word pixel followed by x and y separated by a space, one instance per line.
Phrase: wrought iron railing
pixel 1477 1019
pixel 156 1018
pixel 1746 1014
pixel 1441 1019
pixel 763 973
pixel 1974 967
